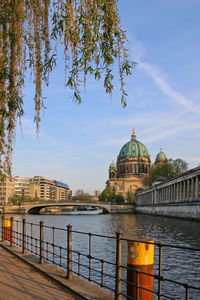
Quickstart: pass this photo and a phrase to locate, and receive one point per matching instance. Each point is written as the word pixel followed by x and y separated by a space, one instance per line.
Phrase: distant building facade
pixel 37 187
pixel 7 189
pixel 132 166
pixel 22 186
pixel 50 190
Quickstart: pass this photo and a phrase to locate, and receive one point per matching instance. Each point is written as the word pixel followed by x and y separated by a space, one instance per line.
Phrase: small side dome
pixel 112 165
pixel 161 156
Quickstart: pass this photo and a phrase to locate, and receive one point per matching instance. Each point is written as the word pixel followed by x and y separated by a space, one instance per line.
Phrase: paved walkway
pixel 19 281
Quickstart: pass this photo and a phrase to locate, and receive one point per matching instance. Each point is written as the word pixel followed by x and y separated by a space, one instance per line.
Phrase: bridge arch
pixel 37 208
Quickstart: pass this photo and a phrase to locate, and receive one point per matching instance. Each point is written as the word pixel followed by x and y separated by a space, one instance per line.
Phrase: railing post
pixel 118 275
pixel 140 269
pixel 23 236
pixel 2 228
pixel 41 242
pixel 69 252
pixel 11 231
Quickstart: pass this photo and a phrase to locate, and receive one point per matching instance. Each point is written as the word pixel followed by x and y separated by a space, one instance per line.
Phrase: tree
pixel 79 192
pixel 119 198
pixel 179 165
pixel 165 170
pixel 169 169
pixel 130 197
pixel 32 32
pixel 81 195
pixel 106 195
pixel 15 199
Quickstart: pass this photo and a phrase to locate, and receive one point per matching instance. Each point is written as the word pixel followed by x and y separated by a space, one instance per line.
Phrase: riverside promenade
pixel 22 279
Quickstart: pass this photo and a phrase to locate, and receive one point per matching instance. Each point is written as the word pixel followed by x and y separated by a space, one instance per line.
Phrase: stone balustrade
pixel 182 191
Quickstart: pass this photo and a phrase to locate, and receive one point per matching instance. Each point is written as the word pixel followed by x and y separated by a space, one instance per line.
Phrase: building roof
pixel 161 156
pixel 112 165
pixel 133 148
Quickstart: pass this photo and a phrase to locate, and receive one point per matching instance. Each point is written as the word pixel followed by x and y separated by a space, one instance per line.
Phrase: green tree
pixel 179 165
pixel 169 169
pixel 119 198
pixel 81 195
pixel 106 195
pixel 130 197
pixel 31 34
pixel 15 199
pixel 165 170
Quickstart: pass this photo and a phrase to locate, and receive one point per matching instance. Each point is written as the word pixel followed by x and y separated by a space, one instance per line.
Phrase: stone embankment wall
pixel 122 208
pixel 178 197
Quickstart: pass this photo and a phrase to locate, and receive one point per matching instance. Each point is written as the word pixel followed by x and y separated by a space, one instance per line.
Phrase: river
pixel 181 265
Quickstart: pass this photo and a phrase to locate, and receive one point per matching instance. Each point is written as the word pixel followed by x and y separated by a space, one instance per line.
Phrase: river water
pixel 180 265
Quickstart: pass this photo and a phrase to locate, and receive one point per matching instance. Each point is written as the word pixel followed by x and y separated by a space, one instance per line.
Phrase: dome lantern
pixel 133 135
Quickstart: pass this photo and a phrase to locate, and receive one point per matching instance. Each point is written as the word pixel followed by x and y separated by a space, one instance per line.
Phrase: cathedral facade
pixel 132 166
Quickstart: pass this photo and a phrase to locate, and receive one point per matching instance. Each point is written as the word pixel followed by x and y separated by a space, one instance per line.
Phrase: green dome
pixel 161 156
pixel 133 148
pixel 112 165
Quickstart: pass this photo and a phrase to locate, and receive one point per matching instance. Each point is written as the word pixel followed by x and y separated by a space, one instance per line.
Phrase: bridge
pixel 34 208
pixel 178 197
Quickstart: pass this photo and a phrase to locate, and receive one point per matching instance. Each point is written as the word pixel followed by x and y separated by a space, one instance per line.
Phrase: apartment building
pixel 45 186
pixel 50 190
pixel 7 189
pixel 37 187
pixel 34 190
pixel 22 186
pixel 63 193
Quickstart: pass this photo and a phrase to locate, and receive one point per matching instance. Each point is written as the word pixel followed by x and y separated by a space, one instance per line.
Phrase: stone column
pixel 167 198
pixel 177 191
pixel 181 190
pixel 171 192
pixel 172 197
pixel 155 196
pixel 197 187
pixel 188 189
pixel 192 194
pixel 184 190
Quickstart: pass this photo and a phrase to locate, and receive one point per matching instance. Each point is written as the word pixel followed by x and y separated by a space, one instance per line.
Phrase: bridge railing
pixel 102 259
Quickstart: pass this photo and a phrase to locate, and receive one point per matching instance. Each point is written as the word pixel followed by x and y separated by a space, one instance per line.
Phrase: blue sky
pixel 78 142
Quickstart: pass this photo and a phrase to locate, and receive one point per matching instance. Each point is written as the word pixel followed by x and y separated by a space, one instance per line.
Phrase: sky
pixel 77 143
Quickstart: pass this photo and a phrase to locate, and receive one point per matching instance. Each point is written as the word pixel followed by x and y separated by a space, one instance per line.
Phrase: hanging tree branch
pixel 92 39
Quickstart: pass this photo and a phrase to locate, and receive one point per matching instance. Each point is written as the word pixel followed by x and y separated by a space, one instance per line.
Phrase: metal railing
pixel 62 247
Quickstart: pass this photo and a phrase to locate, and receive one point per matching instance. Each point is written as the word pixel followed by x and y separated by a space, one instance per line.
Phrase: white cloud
pixel 159 78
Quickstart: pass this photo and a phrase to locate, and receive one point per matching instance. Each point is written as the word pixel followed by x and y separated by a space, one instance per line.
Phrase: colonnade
pixel 181 189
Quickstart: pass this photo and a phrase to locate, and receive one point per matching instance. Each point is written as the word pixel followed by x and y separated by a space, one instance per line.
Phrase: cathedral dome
pixel 161 156
pixel 112 165
pixel 133 148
